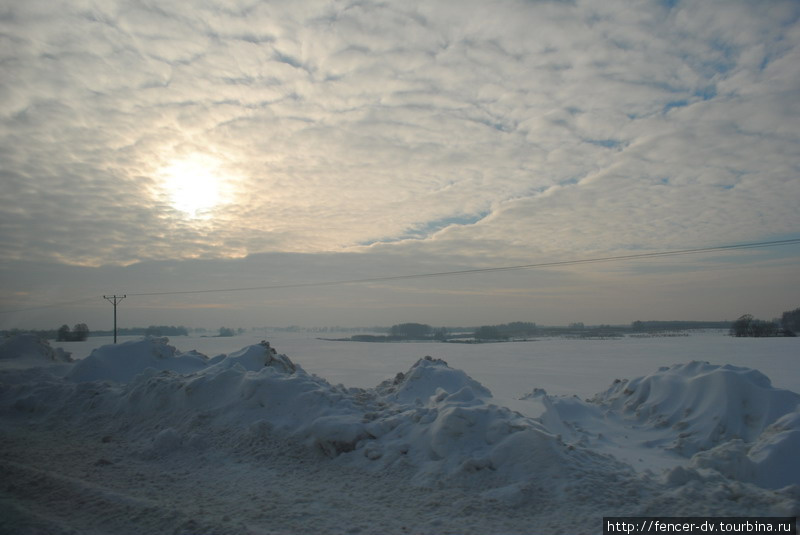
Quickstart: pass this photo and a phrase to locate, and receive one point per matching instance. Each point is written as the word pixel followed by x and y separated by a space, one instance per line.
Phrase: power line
pixel 562 263
pixel 485 270
pixel 61 304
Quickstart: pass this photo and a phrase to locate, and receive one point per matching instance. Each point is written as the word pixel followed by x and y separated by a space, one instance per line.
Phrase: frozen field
pixel 225 435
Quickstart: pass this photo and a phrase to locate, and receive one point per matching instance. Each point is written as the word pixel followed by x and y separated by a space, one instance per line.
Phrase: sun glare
pixel 194 185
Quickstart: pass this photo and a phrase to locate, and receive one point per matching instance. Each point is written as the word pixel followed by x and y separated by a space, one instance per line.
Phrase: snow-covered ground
pixel 228 435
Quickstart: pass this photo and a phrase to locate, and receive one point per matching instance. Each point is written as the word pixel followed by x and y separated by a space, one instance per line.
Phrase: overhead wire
pixel 562 263
pixel 481 270
pixel 60 304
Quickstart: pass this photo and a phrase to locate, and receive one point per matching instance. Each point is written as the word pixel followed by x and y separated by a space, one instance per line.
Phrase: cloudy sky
pixel 172 146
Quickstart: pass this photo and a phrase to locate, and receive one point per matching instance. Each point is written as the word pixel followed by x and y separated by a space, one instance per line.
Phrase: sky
pixel 152 147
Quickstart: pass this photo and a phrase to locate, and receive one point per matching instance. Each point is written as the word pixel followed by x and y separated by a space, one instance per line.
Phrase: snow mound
pixel 434 423
pixel 433 420
pixel 255 386
pixel 32 347
pixel 442 423
pixel 690 422
pixel 121 363
pixel 424 380
pixel 770 461
pixel 253 358
pixel 705 405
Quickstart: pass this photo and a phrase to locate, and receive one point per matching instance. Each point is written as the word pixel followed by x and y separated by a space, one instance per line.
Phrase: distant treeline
pixel 516 330
pixel 152 330
pixel 524 330
pixel 422 331
pixel 648 326
pixel 787 325
pixel 748 326
pixel 49 334
pixel 78 334
pixel 81 332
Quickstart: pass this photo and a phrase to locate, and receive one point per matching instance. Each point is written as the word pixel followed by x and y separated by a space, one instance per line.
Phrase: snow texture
pixel 121 363
pixel 29 347
pixel 146 435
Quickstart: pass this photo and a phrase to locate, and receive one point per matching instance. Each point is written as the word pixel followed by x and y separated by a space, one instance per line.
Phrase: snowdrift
pixel 690 420
pixel 727 418
pixel 434 418
pixel 714 423
pixel 704 404
pixel 121 363
pixel 31 348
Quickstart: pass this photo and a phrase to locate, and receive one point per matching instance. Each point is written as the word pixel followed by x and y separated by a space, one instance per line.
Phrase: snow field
pixel 150 434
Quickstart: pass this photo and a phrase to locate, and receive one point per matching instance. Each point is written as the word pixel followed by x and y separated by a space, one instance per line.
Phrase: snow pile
pixel 31 347
pixel 425 378
pixel 434 419
pixel 714 427
pixel 774 454
pixel 121 363
pixel 252 387
pixel 253 358
pixel 704 404
pixel 441 421
pixel 724 420
pixel 770 461
pixel 444 424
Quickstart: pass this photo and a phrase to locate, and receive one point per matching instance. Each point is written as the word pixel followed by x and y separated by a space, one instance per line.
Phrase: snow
pixel 121 363
pixel 142 437
pixel 30 350
pixel 707 404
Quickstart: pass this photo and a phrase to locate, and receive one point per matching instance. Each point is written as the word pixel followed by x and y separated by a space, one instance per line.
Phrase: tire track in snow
pixel 66 504
pixel 62 489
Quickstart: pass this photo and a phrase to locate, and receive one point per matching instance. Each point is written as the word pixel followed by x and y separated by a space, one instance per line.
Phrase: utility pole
pixel 114 299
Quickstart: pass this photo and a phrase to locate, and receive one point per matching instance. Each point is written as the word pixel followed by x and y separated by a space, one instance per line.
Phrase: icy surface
pixel 249 442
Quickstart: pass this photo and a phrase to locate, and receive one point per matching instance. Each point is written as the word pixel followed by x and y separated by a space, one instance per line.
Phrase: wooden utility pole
pixel 114 299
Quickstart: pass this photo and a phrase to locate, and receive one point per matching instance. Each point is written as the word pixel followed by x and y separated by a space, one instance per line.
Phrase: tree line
pixel 79 334
pixel 748 326
pixel 423 331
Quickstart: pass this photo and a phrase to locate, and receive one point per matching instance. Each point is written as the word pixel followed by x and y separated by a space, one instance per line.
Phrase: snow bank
pixel 425 378
pixel 775 453
pixel 435 422
pixel 31 347
pixel 122 362
pixel 725 420
pixel 253 358
pixel 166 408
pixel 771 461
pixel 434 419
pixel 703 403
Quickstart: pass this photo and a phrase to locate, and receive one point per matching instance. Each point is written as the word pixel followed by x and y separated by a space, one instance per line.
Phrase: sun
pixel 194 185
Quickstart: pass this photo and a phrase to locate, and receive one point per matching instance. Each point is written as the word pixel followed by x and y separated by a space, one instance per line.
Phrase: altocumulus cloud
pixel 497 127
